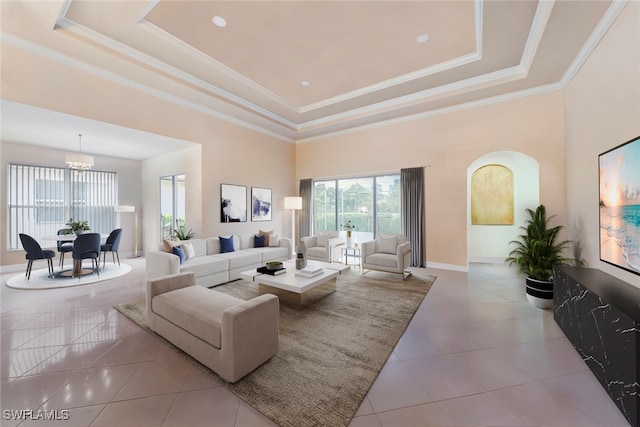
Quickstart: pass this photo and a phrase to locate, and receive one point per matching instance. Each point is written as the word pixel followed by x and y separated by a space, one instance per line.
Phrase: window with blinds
pixel 42 199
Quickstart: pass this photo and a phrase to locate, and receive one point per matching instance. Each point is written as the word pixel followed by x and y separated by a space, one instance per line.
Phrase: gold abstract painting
pixel 492 196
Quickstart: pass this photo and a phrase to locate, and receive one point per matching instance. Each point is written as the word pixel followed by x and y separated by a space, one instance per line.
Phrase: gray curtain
pixel 412 212
pixel 306 192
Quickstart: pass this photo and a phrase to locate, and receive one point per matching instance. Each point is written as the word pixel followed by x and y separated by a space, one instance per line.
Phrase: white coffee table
pixel 294 290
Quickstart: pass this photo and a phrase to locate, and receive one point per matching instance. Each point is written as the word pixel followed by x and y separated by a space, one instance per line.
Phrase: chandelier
pixel 80 162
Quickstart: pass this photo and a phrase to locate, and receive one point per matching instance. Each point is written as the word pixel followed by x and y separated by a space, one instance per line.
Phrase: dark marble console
pixel 600 315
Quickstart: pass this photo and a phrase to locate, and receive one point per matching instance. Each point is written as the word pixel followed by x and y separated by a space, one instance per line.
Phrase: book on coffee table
pixel 310 271
pixel 265 270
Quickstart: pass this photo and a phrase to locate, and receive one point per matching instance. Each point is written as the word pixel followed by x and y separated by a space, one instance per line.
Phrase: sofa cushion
pixel 195 309
pixel 274 241
pixel 272 254
pixel 322 238
pixel 226 244
pixel 177 250
pixel 239 259
pixel 385 260
pixel 199 247
pixel 189 252
pixel 258 241
pixel 168 245
pixel 205 265
pixel 387 244
pixel 267 236
pixel 317 252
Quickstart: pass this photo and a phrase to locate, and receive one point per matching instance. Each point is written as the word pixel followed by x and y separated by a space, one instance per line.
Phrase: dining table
pixel 77 270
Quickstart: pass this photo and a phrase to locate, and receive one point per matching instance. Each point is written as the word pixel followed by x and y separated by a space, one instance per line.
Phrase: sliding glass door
pixel 371 203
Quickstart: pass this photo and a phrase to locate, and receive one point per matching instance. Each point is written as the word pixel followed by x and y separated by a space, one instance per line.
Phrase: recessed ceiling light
pixel 219 21
pixel 422 38
pixel 305 83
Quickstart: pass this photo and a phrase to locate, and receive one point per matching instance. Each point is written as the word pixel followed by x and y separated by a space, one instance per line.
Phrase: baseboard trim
pixel 452 267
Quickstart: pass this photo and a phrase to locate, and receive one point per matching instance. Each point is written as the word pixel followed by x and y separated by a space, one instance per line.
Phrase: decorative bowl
pixel 274 265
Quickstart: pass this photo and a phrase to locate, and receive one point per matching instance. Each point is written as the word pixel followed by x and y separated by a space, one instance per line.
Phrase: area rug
pixel 330 353
pixel 40 278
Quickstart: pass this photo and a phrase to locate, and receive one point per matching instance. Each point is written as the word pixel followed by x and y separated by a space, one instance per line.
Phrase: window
pixel 372 204
pixel 172 204
pixel 41 200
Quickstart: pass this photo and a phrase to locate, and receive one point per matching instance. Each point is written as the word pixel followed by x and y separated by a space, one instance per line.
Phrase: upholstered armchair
pixel 321 246
pixel 389 252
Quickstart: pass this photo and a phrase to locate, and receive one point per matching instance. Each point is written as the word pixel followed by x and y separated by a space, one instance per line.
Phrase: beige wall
pixel 129 190
pixel 602 106
pixel 446 145
pixel 231 155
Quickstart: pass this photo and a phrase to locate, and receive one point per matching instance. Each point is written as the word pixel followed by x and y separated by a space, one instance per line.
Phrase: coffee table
pixel 298 291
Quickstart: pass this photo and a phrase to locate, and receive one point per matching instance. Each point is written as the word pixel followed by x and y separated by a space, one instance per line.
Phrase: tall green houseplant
pixel 535 253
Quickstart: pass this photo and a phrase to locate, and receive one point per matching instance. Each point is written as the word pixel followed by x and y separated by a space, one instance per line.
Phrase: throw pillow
pixel 226 244
pixel 387 244
pixel 266 235
pixel 177 250
pixel 274 241
pixel 189 252
pixel 169 244
pixel 258 241
pixel 322 239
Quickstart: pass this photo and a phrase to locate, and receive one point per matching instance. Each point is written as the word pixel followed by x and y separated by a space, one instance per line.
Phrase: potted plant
pixel 536 251
pixel 77 227
pixel 348 227
pixel 181 234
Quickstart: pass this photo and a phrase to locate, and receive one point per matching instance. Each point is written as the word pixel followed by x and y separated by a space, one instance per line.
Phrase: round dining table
pixel 77 264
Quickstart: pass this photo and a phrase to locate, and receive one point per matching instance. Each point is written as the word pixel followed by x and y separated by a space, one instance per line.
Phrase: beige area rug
pixel 330 353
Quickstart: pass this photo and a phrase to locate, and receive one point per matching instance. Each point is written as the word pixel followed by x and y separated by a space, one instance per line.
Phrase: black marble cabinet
pixel 600 315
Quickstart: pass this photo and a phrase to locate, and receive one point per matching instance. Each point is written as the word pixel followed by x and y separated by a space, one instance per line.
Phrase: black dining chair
pixel 63 246
pixel 35 252
pixel 111 245
pixel 86 246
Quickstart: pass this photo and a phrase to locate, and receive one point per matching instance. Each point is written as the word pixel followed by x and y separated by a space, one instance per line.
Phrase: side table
pixel 355 252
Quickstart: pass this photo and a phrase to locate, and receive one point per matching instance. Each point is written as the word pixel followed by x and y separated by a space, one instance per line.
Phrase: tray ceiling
pixel 362 61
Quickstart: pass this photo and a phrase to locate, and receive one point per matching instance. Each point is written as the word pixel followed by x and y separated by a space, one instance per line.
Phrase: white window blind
pixel 42 199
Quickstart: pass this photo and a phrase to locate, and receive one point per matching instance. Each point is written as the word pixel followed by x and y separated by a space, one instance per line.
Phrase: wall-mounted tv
pixel 620 206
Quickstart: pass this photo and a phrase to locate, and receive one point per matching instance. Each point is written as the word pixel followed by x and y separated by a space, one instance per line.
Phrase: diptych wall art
pixel 233 203
pixel 260 204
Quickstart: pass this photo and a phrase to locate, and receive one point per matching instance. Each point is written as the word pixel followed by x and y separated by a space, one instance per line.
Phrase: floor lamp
pixel 294 204
pixel 129 209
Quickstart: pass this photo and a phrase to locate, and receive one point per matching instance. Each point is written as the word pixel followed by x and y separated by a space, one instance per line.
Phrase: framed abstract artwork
pixel 233 203
pixel 260 204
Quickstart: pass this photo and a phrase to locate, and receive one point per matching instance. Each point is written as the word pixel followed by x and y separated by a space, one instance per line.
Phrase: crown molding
pixel 66 60
pixel 433 113
pixel 408 77
pixel 108 42
pixel 601 29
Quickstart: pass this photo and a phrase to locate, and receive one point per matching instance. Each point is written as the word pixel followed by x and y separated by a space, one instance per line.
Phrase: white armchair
pixel 389 252
pixel 322 246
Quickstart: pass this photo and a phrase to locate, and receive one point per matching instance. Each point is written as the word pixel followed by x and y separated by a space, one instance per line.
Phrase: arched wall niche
pixel 490 243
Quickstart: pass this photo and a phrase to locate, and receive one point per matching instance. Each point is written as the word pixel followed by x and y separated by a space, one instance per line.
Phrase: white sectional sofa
pixel 210 266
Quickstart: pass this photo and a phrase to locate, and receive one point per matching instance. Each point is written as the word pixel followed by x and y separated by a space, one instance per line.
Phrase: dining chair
pixel 63 247
pixel 111 245
pixel 35 252
pixel 86 246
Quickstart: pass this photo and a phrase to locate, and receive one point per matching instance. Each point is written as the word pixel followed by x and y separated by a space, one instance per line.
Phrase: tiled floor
pixel 476 353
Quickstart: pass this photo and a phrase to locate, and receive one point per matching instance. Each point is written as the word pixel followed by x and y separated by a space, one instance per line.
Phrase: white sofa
pixel 322 246
pixel 231 336
pixel 213 268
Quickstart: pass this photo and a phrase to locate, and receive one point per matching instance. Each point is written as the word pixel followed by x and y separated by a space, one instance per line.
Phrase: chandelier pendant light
pixel 80 162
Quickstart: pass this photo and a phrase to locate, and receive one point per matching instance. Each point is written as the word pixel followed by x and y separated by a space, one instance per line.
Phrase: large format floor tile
pixel 475 353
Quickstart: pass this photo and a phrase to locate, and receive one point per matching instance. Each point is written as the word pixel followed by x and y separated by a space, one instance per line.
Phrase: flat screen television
pixel 620 206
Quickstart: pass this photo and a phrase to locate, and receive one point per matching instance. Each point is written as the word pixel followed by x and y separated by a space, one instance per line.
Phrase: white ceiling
pixel 360 57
